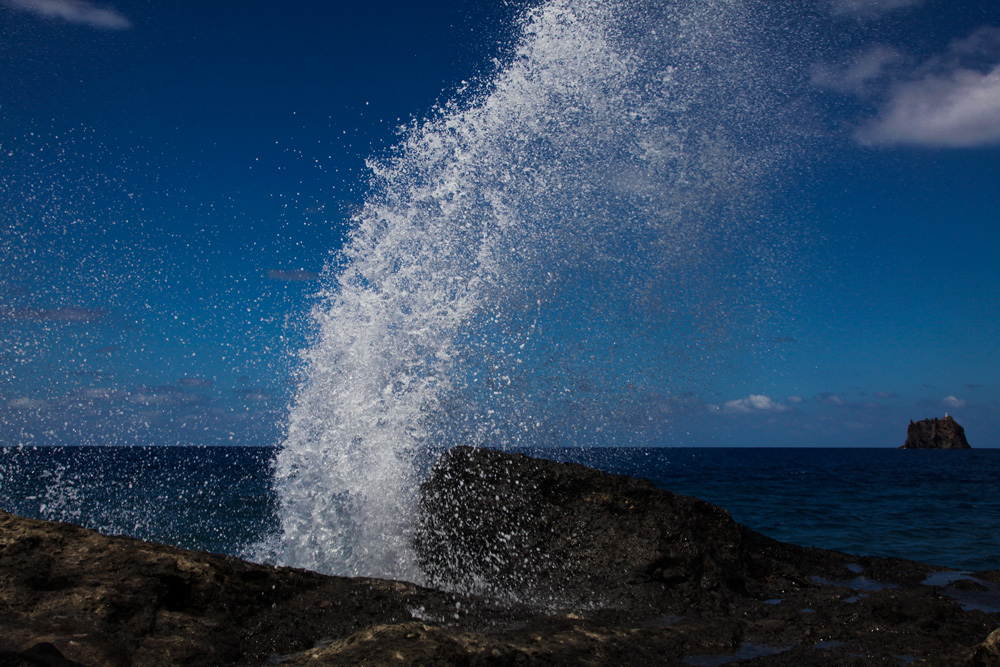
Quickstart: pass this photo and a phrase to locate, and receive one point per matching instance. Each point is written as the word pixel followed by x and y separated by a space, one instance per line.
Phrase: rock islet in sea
pixel 936 434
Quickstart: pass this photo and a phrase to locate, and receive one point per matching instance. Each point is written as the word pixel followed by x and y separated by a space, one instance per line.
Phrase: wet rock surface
pixel 936 434
pixel 117 601
pixel 568 535
pixel 556 564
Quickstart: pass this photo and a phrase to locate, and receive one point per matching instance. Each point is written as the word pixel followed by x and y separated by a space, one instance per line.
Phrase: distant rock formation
pixel 936 434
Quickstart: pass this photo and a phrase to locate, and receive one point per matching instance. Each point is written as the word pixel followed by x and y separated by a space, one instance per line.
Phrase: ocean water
pixel 941 507
pixel 214 499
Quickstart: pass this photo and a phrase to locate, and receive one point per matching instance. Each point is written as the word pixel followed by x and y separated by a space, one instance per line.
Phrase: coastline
pixel 859 500
pixel 731 594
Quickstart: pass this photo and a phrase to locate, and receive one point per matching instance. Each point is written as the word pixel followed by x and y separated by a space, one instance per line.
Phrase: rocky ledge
pixel 548 563
pixel 935 434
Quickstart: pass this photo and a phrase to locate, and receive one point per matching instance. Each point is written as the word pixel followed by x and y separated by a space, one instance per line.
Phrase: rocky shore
pixel 530 562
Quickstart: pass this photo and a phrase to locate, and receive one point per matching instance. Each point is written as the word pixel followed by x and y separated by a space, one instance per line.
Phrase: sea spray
pixel 550 260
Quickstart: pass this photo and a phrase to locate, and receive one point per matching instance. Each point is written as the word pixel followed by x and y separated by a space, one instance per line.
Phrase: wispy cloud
pixel 753 403
pixel 61 314
pixel 297 275
pixel 831 399
pixel 951 100
pixel 869 8
pixel 885 394
pixel 166 395
pixel 142 398
pixel 860 73
pixel 195 383
pixel 27 404
pixel 953 402
pixel 96 393
pixel 784 339
pixel 78 12
pixel 252 394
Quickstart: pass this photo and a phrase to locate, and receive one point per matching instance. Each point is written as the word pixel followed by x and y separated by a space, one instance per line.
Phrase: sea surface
pixel 940 507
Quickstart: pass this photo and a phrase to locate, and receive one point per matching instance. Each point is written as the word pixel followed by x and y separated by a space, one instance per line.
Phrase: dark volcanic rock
pixel 935 434
pixel 539 532
pixel 39 655
pixel 615 571
pixel 114 601
pixel 560 533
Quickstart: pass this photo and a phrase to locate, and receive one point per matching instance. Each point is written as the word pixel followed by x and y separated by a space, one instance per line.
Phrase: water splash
pixel 541 262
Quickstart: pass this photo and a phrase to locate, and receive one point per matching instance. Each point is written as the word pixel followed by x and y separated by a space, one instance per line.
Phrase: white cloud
pixel 60 314
pixel 869 7
pixel 195 383
pixel 832 399
pixel 794 399
pixel 96 392
pixel 27 404
pixel 298 275
pixel 140 398
pixel 753 403
pixel 950 100
pixel 959 109
pixel 858 74
pixel 981 46
pixel 79 12
pixel 953 402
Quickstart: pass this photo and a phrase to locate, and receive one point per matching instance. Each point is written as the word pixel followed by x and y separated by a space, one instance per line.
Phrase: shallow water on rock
pixel 856 584
pixel 971 592
pixel 747 651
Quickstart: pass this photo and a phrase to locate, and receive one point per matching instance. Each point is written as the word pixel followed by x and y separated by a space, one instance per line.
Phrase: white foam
pixel 529 262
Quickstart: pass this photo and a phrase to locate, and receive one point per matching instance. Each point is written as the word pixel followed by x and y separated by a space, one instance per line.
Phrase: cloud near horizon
pixel 27 404
pixel 75 314
pixel 828 398
pixel 753 403
pixel 953 402
pixel 298 275
pixel 195 383
pixel 78 12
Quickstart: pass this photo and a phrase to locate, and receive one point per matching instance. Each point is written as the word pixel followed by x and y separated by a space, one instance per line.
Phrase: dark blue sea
pixel 940 507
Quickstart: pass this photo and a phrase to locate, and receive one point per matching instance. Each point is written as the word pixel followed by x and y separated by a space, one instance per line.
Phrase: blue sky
pixel 175 175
